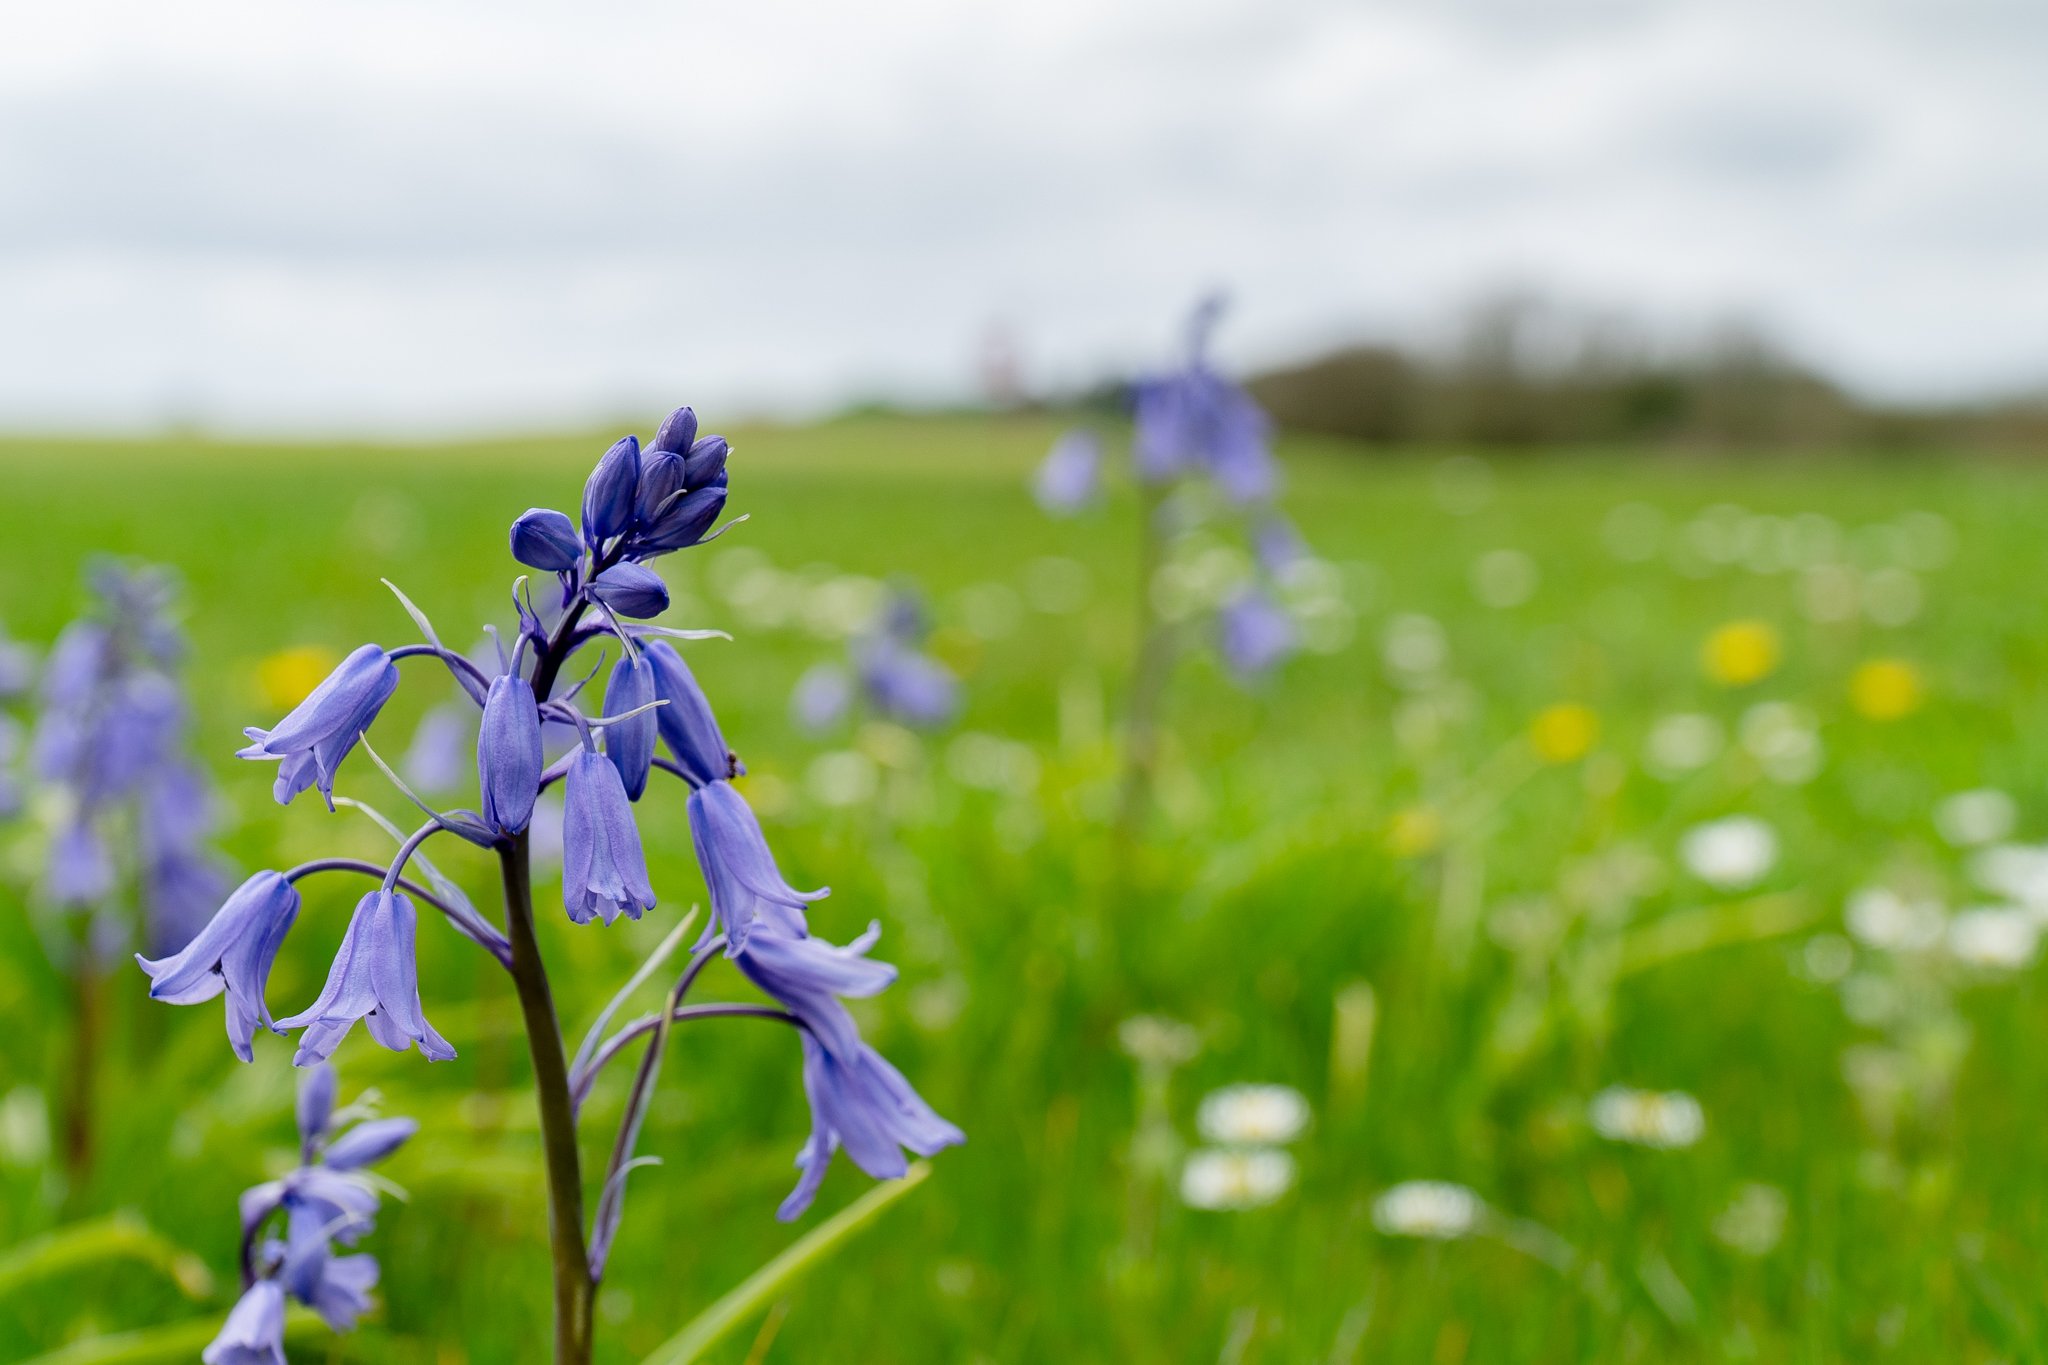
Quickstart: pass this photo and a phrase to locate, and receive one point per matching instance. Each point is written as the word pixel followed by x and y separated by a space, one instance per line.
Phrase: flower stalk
pixel 569 1256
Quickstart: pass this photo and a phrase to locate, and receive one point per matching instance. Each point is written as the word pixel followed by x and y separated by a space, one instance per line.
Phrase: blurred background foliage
pixel 1442 876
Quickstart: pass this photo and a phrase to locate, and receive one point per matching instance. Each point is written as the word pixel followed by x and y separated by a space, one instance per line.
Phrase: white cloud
pixel 377 214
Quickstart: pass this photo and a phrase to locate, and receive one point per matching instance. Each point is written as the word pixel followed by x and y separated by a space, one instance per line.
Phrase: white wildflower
pixel 1994 937
pixel 1250 1115
pixel 1730 854
pixel 1218 1178
pixel 2018 872
pixel 1427 1208
pixel 1754 1221
pixel 1648 1118
pixel 1881 918
pixel 1972 819
pixel 1681 744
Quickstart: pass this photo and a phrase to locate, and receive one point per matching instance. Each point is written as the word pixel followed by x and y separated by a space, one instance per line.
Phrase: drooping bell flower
pixel 374 978
pixel 315 1107
pixel 685 723
pixel 604 871
pixel 545 539
pixel 1254 633
pixel 822 697
pixel 80 871
pixel 1278 545
pixel 631 590
pixel 863 1104
pixel 232 955
pixel 508 754
pixel 907 686
pixel 1071 473
pixel 609 492
pixel 336 1287
pixel 368 1143
pixel 747 888
pixel 319 732
pixel 254 1331
pixel 630 743
pixel 809 977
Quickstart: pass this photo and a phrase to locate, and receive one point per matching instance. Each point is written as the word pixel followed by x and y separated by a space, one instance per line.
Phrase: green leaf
pixel 119 1237
pixel 710 1327
pixel 1686 932
pixel 180 1341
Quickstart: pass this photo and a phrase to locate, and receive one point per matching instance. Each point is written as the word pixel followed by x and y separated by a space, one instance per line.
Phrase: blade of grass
pixel 712 1325
pixel 120 1237
pixel 180 1341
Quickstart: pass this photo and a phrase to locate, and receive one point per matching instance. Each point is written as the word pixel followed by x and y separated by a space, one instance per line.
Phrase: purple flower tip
pixel 545 539
pixel 631 590
pixel 508 754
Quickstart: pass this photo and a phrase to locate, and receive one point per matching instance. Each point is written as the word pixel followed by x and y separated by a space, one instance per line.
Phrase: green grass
pixel 1269 886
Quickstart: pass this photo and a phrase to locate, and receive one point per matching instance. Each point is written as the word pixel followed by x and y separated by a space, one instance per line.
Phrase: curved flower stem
pixel 465 671
pixel 411 888
pixel 575 1294
pixel 646 1024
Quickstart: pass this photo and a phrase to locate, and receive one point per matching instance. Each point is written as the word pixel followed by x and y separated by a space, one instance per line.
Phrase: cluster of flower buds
pixel 889 671
pixel 637 504
pixel 1195 422
pixel 109 751
pixel 327 1200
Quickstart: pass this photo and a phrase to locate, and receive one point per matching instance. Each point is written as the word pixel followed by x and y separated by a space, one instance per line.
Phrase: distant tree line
pixel 1523 373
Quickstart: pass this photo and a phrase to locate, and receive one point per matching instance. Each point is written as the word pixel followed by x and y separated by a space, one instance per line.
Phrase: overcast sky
pixel 454 214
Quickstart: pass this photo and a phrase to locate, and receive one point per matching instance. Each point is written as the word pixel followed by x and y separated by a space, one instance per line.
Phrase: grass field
pixel 1368 880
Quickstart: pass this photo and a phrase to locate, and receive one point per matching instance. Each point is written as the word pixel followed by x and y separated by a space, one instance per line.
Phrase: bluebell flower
pixel 609 493
pixel 110 738
pixel 1254 633
pixel 374 978
pixel 822 697
pixel 325 1200
pixel 1195 421
pixel 254 1331
pixel 336 1287
pixel 1277 545
pixel 508 753
pixel 685 723
pixel 318 1089
pixel 809 977
pixel 79 870
pixel 545 539
pixel 631 590
pixel 17 668
pixel 747 888
pixel 630 743
pixel 894 675
pixel 682 488
pixel 907 686
pixel 1071 475
pixel 232 956
pixel 863 1104
pixel 319 732
pixel 604 871
pixel 368 1143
